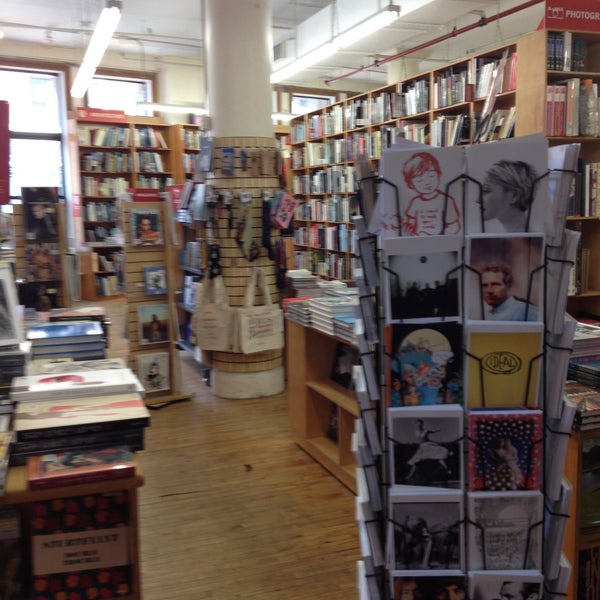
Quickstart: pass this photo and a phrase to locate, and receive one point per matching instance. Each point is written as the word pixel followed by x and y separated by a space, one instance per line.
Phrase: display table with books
pixel 86 533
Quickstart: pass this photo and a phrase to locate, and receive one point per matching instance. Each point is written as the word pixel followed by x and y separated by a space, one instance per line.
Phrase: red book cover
pixel 77 466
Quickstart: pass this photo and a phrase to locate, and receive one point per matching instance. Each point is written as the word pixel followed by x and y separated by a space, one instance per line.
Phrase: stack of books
pixel 77 410
pixel 324 310
pixel 297 309
pixel 13 363
pixel 585 369
pixel 586 341
pixel 587 401
pixel 301 282
pixel 345 328
pixel 79 340
pixel 83 313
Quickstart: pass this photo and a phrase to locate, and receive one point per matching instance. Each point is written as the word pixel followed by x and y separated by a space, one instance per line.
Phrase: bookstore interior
pixel 410 265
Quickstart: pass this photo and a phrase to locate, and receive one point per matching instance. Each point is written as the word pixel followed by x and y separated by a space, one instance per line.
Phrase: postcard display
pixel 465 261
pixel 151 312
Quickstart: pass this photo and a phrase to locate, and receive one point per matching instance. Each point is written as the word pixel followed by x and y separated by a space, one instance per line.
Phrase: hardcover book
pixel 50 418
pixel 155 280
pixel 503 364
pixel 426 531
pixel 424 363
pixel 505 450
pixel 525 584
pixel 421 278
pixel 65 332
pixel 78 385
pixel 82 544
pixel 73 467
pixel 426 446
pixel 504 530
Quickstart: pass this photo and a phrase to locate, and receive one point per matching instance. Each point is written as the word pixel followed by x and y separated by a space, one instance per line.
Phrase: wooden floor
pixel 231 507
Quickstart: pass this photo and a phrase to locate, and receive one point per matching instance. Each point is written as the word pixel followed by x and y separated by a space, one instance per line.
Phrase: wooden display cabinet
pixel 18 494
pixel 322 412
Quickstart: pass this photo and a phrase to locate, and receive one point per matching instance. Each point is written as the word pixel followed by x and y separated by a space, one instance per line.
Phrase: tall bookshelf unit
pixel 440 107
pixel 533 76
pixel 116 153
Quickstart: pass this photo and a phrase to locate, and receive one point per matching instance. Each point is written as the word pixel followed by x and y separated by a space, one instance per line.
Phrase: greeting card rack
pixel 389 506
pixel 150 256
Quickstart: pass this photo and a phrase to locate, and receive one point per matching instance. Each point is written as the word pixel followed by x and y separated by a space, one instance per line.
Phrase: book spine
pixel 53 432
pixel 68 479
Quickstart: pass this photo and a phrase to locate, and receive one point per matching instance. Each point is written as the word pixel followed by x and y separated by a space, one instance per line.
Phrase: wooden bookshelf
pixel 314 399
pixel 440 107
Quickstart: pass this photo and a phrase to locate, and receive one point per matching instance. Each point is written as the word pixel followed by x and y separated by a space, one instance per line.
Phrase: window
pixel 36 117
pixel 120 93
pixel 303 103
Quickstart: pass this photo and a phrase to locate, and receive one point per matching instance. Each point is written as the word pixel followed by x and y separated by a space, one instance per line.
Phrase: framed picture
pixel 39 213
pixel 153 371
pixel 43 261
pixel 10 329
pixel 155 280
pixel 146 227
pixel 153 323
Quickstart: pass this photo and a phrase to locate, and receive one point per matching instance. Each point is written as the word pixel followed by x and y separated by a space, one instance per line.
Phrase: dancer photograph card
pixel 426 446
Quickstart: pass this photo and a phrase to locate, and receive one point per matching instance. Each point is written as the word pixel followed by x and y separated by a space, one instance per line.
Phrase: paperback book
pixel 503 364
pixel 504 530
pixel 505 450
pixel 484 585
pixel 416 584
pixel 425 446
pixel 58 469
pixel 425 531
pixel 424 365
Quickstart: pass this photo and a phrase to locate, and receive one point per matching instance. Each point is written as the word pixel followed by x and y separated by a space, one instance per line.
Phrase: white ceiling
pixel 172 30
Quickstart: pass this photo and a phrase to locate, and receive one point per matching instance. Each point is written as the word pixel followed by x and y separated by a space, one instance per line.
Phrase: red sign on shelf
pixel 4 154
pixel 578 15
pixel 98 114
pixel 144 194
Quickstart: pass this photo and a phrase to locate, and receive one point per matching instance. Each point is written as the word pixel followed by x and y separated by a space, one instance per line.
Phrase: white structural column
pixel 238 67
pixel 238 63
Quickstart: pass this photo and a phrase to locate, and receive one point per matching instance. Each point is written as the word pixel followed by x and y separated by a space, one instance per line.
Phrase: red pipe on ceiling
pixel 482 22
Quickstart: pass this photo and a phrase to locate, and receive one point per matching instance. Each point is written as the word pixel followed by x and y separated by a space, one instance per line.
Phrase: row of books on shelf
pixel 108 285
pixel 190 138
pixel 112 162
pixel 565 52
pixel 452 87
pixel 110 136
pixel 150 162
pixel 154 183
pixel 499 72
pixel 334 208
pixel 190 290
pixel 449 130
pixel 104 186
pixel 333 180
pixel 100 233
pixel 100 211
pixel 584 193
pixel 332 265
pixel 192 255
pixel 148 137
pixel 572 108
pixel 338 238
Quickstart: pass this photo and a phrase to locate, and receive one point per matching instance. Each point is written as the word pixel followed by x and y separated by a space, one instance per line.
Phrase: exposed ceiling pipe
pixel 480 23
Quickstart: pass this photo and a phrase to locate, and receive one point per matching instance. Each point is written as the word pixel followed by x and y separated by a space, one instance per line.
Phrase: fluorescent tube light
pixel 105 28
pixel 346 38
pixel 368 26
pixel 173 108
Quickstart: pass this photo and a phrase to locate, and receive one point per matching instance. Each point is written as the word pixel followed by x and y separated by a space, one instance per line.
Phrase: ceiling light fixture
pixel 105 28
pixel 352 35
pixel 173 108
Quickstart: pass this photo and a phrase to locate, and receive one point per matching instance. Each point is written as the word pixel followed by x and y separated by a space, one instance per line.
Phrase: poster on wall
pixel 39 214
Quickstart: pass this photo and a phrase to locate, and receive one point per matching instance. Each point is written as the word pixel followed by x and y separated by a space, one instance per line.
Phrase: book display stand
pixel 469 430
pixel 151 304
pixel 41 285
